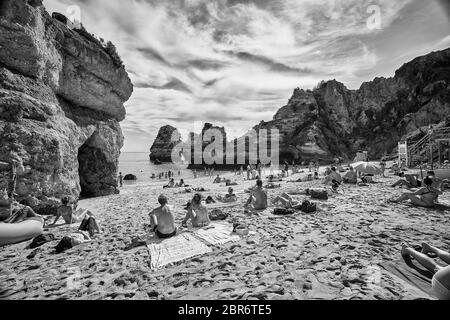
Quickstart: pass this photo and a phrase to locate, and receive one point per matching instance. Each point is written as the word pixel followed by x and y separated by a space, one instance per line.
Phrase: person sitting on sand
pixel 171 184
pixel 441 278
pixel 258 198
pixel 287 202
pixel 66 211
pixel 425 197
pixel 438 183
pixel 229 197
pixel 410 181
pixel 181 184
pixel 13 212
pixel 162 220
pixel 333 175
pixel 350 177
pixel 197 213
pixel 218 179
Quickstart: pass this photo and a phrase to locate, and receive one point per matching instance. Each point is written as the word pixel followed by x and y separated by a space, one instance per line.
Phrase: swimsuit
pixel 165 236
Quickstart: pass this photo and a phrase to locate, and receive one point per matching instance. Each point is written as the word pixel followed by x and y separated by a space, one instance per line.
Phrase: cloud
pixel 234 62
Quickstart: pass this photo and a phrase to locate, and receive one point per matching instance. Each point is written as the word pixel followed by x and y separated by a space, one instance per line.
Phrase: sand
pixel 332 254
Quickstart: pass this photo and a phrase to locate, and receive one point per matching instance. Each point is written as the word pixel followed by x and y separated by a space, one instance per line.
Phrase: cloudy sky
pixel 236 62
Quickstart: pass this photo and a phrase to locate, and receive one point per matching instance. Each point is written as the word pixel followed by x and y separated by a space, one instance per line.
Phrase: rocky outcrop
pixel 61 101
pixel 161 151
pixel 332 121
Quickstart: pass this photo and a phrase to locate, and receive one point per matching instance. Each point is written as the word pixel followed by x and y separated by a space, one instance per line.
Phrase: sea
pixel 138 163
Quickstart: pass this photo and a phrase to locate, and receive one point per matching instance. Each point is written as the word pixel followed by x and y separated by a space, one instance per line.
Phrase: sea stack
pixel 62 94
pixel 161 151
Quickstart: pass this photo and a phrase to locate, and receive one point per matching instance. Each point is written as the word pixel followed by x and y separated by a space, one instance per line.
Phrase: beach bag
pixel 218 215
pixel 308 207
pixel 318 194
pixel 283 212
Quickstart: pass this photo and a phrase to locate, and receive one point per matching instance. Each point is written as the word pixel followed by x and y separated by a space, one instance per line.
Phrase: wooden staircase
pixel 429 145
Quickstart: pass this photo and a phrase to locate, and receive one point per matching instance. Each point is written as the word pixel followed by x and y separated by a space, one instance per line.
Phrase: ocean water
pixel 139 164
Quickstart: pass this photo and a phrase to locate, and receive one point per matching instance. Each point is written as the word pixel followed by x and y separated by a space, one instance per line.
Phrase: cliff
pixel 61 101
pixel 332 121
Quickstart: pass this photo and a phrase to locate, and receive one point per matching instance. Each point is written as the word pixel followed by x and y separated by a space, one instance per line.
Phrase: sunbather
pixel 197 213
pixel 258 198
pixel 410 181
pixel 181 184
pixel 66 211
pixel 13 212
pixel 441 278
pixel 229 197
pixel 171 184
pixel 287 202
pixel 162 220
pixel 425 197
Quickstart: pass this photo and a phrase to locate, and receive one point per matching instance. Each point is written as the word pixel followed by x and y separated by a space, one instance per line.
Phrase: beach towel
pixel 217 234
pixel 221 205
pixel 176 249
pixel 414 275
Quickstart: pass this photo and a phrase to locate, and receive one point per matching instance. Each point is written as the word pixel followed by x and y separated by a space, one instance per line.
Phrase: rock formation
pixel 61 101
pixel 161 151
pixel 332 121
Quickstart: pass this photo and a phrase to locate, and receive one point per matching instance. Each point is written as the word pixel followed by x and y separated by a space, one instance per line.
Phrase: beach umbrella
pixel 367 168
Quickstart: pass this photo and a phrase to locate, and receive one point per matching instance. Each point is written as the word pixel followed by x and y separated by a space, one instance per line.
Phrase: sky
pixel 234 63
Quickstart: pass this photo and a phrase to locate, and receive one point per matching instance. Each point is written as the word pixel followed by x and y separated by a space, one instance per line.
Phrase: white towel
pixel 217 234
pixel 172 250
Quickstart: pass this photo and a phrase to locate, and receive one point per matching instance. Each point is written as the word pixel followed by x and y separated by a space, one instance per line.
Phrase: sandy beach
pixel 334 253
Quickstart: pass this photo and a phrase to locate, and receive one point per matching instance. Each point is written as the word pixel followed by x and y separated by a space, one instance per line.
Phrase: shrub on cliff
pixel 112 52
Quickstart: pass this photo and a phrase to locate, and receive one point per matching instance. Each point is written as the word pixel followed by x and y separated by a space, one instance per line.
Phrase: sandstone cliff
pixel 61 101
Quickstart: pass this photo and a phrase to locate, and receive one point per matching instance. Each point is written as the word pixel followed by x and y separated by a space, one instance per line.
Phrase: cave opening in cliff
pixel 96 173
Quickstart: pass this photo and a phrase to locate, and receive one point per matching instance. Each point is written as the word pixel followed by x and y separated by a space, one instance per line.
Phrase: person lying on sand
pixel 171 184
pixel 197 213
pixel 230 183
pixel 66 211
pixel 229 197
pixel 425 197
pixel 441 278
pixel 350 177
pixel 287 202
pixel 333 175
pixel 272 185
pixel 162 220
pixel 410 181
pixel 13 212
pixel 258 198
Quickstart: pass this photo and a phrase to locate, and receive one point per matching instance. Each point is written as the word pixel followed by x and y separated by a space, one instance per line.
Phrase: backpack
pixel 218 214
pixel 308 207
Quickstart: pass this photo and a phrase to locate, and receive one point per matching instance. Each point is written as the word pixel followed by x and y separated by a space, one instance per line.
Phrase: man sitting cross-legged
pixel 162 220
